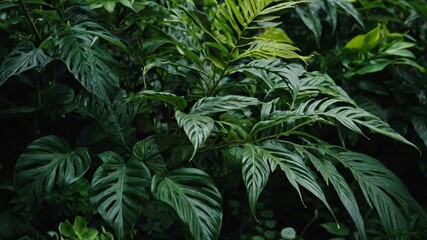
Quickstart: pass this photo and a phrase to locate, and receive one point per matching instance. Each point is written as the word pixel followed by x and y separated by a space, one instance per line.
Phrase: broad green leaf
pixel 333 228
pixel 178 102
pixel 194 197
pixel 47 164
pixel 276 34
pixel 372 38
pixel 24 57
pixel 356 42
pixel 255 172
pixel 197 127
pixel 209 105
pixel 118 191
pixel 398 48
pixel 148 151
pixel 91 64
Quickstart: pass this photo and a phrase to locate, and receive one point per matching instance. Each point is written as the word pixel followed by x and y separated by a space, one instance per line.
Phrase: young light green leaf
pixel 194 197
pixel 197 127
pixel 255 172
pixel 24 57
pixel 46 164
pixel 118 190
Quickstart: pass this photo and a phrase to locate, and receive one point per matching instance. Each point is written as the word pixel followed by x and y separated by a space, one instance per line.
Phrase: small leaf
pixel 46 164
pixel 118 191
pixel 197 127
pixel 332 228
pixel 177 102
pixel 194 197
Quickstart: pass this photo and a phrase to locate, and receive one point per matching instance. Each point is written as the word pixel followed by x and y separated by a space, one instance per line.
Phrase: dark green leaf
pixel 194 197
pixel 118 191
pixel 46 164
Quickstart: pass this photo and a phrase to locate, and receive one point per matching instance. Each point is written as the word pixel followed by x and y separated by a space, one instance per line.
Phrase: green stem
pixel 30 21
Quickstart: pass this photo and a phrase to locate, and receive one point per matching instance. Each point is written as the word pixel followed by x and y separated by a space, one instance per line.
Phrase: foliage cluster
pixel 233 119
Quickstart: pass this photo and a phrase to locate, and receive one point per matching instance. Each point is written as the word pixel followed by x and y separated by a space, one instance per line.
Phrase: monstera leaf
pixel 192 194
pixel 46 164
pixel 118 190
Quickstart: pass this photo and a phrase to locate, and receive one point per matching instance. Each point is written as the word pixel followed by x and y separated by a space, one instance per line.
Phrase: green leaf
pixel 209 105
pixel 297 172
pixel 197 127
pixel 177 102
pixel 24 57
pixel 118 191
pixel 114 120
pixel 46 164
pixel 333 228
pixel 92 65
pixel 350 9
pixel 420 125
pixel 194 197
pixel 330 173
pixel 310 18
pixel 379 186
pixel 255 172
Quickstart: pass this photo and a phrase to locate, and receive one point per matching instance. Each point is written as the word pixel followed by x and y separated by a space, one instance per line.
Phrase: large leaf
pixel 380 188
pixel 197 127
pixel 91 65
pixel 255 172
pixel 329 172
pixel 23 58
pixel 46 164
pixel 118 191
pixel 194 197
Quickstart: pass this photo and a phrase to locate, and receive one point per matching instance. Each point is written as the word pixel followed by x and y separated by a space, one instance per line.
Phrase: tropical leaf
pixel 148 151
pixel 197 127
pixel 91 65
pixel 255 172
pixel 329 172
pixel 115 119
pixel 209 105
pixel 194 197
pixel 297 172
pixel 420 125
pixel 47 164
pixel 379 185
pixel 118 190
pixel 177 102
pixel 24 57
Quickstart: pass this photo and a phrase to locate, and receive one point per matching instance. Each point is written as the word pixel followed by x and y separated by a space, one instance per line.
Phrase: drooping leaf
pixel 24 57
pixel 46 164
pixel 209 105
pixel 118 190
pixel 420 125
pixel 114 119
pixel 177 102
pixel 380 186
pixel 310 18
pixel 194 197
pixel 255 172
pixel 297 172
pixel 197 127
pixel 90 64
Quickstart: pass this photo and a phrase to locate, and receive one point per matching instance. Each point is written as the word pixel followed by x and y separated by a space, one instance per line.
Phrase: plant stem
pixel 30 21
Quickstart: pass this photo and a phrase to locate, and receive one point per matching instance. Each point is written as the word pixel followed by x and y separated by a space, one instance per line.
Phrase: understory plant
pixel 151 118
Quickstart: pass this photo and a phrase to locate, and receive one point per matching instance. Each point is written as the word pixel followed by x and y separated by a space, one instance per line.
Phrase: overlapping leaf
pixel 24 57
pixel 194 197
pixel 46 164
pixel 118 190
pixel 197 127
pixel 209 105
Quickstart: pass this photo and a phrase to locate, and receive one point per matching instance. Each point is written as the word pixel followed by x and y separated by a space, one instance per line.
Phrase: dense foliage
pixel 210 119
